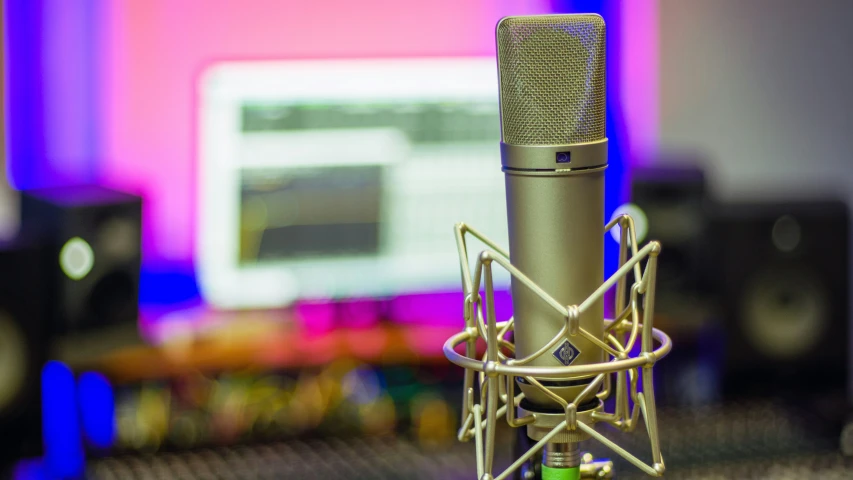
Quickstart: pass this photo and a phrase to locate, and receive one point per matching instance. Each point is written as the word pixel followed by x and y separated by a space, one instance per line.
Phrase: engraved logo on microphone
pixel 567 353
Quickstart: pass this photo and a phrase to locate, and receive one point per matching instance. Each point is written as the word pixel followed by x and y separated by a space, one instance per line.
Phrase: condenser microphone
pixel 554 154
pixel 550 367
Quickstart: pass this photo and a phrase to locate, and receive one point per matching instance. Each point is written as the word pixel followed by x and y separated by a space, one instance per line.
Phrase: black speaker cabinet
pixel 93 236
pixel 782 275
pixel 23 349
pixel 676 202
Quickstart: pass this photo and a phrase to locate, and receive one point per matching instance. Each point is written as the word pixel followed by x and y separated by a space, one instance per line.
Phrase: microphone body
pixel 555 236
pixel 554 154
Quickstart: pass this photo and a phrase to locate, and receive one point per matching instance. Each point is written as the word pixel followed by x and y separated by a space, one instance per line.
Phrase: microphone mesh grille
pixel 551 79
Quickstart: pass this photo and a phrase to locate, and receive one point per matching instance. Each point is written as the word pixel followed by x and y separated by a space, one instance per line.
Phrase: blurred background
pixel 227 247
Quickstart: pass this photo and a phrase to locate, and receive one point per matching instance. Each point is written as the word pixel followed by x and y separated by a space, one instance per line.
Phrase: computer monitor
pixel 329 179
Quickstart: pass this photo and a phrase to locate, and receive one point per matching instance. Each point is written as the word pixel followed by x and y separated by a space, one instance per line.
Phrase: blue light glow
pixel 167 285
pixel 51 127
pixel 32 469
pixel 24 102
pixel 617 132
pixel 97 409
pixel 63 446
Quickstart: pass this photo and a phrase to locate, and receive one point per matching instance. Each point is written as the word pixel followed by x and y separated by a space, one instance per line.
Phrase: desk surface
pixel 174 342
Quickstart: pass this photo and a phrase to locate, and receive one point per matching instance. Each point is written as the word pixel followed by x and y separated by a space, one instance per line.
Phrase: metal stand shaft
pixel 561 455
pixel 561 461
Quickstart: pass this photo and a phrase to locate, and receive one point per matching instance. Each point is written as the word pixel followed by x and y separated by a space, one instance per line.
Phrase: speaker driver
pixel 13 361
pixel 785 312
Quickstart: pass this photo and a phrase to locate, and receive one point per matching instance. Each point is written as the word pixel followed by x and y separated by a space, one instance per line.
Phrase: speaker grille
pixel 551 79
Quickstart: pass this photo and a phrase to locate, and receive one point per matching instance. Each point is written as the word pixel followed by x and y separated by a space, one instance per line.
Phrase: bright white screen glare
pixel 641 223
pixel 76 258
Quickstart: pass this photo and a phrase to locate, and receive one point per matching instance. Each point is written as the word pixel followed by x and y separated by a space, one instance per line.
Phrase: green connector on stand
pixel 551 473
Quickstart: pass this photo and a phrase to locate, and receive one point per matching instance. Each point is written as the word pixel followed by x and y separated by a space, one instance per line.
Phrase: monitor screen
pixel 339 179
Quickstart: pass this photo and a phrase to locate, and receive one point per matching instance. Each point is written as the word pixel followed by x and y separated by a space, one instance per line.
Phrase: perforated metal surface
pixel 330 459
pixel 551 79
pixel 762 440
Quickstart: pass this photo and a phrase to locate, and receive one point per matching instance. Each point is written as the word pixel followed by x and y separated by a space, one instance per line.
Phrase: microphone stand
pixel 557 433
pixel 576 465
pixel 561 461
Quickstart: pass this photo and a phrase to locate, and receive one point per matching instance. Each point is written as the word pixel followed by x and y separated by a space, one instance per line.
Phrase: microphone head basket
pixel 631 344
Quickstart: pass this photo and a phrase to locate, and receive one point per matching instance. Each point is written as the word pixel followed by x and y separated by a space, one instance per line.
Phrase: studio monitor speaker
pixel 93 239
pixel 675 203
pixel 23 348
pixel 783 293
